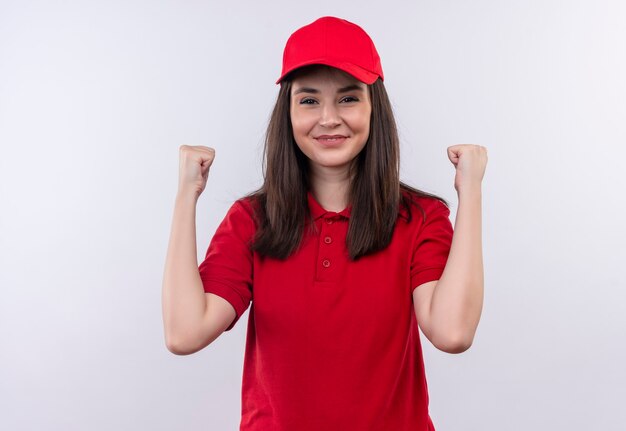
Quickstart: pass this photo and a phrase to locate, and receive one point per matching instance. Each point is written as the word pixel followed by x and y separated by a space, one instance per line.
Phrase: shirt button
pixel 329 221
pixel 326 263
pixel 327 240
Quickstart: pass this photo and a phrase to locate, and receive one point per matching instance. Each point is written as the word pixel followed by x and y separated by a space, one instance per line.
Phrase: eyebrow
pixel 345 89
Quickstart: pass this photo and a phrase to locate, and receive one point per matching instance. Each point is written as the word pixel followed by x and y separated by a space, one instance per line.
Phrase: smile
pixel 331 140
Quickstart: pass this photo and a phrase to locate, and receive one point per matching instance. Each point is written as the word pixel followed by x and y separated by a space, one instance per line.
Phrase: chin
pixel 332 163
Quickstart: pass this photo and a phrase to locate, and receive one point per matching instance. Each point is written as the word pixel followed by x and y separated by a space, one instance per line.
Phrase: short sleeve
pixel 432 244
pixel 228 264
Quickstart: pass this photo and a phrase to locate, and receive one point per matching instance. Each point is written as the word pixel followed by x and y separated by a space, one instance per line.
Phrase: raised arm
pixel 192 319
pixel 448 310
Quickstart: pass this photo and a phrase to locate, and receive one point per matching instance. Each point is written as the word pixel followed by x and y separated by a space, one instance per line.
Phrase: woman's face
pixel 330 116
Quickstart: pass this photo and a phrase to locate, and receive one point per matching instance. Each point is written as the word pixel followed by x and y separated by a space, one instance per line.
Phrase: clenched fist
pixel 470 162
pixel 193 171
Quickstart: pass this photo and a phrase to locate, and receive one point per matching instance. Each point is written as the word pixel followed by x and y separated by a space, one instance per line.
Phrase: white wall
pixel 96 98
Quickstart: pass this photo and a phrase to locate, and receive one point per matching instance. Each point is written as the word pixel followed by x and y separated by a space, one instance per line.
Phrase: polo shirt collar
pixel 318 211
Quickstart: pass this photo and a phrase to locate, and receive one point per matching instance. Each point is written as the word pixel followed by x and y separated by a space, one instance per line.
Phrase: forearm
pixel 183 298
pixel 457 300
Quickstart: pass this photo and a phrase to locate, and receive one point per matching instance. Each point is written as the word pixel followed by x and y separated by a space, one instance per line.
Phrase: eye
pixel 307 101
pixel 350 99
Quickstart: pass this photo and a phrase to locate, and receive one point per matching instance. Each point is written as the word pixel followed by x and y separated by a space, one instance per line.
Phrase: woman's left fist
pixel 470 162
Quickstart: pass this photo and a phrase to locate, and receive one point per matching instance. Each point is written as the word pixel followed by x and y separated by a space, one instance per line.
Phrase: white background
pixel 97 97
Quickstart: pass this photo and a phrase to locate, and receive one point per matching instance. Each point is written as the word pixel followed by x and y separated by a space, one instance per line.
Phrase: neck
pixel 330 188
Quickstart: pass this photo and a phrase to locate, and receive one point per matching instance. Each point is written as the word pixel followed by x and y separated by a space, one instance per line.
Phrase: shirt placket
pixel 329 248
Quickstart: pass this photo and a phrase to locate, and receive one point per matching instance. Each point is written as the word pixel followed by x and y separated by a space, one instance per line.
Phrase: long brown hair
pixel 375 191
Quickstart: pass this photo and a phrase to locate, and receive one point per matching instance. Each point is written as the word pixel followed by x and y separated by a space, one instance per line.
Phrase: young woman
pixel 339 260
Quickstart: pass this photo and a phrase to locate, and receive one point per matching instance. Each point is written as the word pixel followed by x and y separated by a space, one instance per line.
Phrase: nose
pixel 329 116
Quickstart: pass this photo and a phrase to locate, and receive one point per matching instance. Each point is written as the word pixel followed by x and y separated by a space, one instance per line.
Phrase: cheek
pixel 298 121
pixel 365 128
pixel 361 121
pixel 366 121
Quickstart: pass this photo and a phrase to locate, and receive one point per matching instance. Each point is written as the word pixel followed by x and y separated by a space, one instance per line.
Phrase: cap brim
pixel 358 72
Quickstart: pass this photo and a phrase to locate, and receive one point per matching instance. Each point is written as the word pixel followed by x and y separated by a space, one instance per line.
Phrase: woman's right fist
pixel 193 171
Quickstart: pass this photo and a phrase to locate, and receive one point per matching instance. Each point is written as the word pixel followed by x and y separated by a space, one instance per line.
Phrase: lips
pixel 331 139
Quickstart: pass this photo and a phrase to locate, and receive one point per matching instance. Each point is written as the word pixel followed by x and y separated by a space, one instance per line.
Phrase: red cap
pixel 334 42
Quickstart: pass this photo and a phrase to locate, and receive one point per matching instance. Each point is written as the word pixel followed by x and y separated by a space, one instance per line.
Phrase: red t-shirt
pixel 331 344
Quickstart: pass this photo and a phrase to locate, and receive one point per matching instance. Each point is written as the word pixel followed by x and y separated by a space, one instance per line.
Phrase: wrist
pixel 473 189
pixel 186 197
